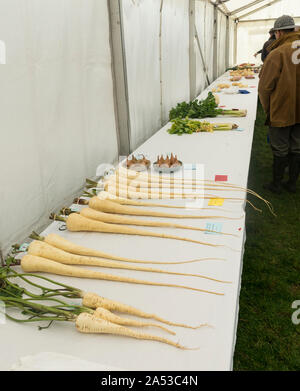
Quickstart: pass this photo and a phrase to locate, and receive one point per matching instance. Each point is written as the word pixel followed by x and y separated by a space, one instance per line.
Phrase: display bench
pixel 220 153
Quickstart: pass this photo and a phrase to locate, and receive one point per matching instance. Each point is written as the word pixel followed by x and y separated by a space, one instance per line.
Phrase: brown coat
pixel 279 85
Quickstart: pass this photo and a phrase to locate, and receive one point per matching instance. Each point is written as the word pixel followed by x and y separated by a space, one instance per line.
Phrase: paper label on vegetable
pixel 216 227
pixel 24 247
pixel 216 202
pixel 76 208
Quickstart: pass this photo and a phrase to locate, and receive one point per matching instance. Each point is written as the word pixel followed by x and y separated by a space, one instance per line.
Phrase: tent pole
pixel 245 7
pixel 215 66
pixel 263 20
pixel 220 8
pixel 119 72
pixel 259 9
pixel 227 43
pixel 235 41
pixel 202 56
pixel 192 54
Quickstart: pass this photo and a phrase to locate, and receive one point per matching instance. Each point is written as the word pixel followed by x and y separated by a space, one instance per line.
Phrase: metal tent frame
pixel 241 18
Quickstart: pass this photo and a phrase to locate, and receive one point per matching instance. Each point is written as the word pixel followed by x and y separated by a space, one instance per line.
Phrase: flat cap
pixel 285 22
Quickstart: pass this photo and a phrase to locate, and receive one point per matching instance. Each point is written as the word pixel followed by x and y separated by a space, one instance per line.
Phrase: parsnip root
pixel 87 323
pixel 66 245
pixel 105 314
pixel 45 250
pixel 34 264
pixel 92 300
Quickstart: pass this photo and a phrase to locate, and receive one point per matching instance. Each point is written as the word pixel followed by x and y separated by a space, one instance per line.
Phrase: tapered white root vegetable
pixel 87 323
pixel 130 193
pixel 64 244
pixel 130 175
pixel 78 223
pixel 148 184
pixel 34 264
pixel 121 219
pixel 45 250
pixel 105 314
pixel 165 185
pixel 112 207
pixel 103 195
pixel 92 300
pixel 133 194
pixel 144 177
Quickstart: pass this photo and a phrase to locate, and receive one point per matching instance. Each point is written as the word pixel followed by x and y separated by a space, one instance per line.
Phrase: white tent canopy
pixel 254 19
pixel 263 8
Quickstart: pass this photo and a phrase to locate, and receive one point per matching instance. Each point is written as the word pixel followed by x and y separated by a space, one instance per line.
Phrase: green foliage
pixel 182 126
pixel 206 108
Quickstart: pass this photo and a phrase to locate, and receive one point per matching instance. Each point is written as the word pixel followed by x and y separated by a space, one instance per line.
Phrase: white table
pixel 222 153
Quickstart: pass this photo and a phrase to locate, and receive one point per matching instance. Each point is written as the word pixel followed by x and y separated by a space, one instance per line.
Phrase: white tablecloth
pixel 224 153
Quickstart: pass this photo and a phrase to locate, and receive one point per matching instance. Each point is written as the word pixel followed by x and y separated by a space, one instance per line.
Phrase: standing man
pixel 264 51
pixel 279 92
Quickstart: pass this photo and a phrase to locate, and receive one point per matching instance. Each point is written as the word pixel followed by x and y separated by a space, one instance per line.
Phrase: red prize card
pixel 221 178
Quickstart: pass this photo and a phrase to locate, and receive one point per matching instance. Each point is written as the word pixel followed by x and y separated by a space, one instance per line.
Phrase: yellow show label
pixel 216 202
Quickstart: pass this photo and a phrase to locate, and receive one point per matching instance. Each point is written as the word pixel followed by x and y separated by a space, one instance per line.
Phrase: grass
pixel 267 340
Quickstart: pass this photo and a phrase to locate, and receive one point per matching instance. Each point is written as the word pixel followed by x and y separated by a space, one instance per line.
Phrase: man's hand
pixel 255 55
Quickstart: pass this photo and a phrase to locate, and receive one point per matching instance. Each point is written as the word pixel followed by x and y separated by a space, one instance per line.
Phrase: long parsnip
pixel 144 185
pixel 77 223
pixel 87 323
pixel 103 195
pixel 105 314
pixel 131 193
pixel 92 300
pixel 66 245
pixel 45 250
pixel 152 178
pixel 121 219
pixel 113 207
pixel 114 188
pixel 34 264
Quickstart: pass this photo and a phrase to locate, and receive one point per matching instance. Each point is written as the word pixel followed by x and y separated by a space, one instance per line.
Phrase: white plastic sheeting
pixel 157 58
pixel 233 5
pixel 155 86
pixel 57 108
pixel 287 7
pixel 175 54
pixel 251 37
pixel 253 34
pixel 141 25
pixel 283 7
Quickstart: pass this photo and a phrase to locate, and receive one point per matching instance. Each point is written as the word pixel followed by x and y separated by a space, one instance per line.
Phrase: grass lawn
pixel 266 337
